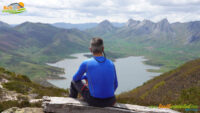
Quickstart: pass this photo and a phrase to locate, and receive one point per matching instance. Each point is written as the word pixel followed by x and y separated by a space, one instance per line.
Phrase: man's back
pixel 101 75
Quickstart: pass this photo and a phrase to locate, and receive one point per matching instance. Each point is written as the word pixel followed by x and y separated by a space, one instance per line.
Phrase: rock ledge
pixel 70 105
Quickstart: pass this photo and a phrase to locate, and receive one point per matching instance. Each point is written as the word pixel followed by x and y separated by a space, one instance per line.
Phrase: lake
pixel 131 71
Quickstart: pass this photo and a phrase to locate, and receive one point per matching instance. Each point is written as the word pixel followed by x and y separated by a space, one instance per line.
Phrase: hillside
pixel 179 86
pixel 19 94
pixel 18 90
pixel 26 48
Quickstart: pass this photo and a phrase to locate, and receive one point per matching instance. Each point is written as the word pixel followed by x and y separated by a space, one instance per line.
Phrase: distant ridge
pixel 184 32
pixel 102 28
pixel 2 24
pixel 82 26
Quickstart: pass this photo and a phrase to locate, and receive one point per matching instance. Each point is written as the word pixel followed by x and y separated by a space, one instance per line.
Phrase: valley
pixel 27 47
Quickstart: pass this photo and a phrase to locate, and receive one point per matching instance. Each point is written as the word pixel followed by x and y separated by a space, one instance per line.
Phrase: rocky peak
pixel 194 26
pixel 164 21
pixel 132 23
pixel 105 23
pixel 146 24
pixel 163 26
pixel 106 26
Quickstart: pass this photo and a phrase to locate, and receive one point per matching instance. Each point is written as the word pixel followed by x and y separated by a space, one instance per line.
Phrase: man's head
pixel 96 45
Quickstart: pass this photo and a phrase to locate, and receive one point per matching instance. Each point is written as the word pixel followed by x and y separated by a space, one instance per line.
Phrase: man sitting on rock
pixel 100 76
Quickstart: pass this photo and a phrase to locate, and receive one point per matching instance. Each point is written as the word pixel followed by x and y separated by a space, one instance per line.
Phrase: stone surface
pixel 35 100
pixel 70 105
pixel 23 110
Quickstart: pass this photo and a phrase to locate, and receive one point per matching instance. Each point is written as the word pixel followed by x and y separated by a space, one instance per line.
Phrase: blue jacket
pixel 101 75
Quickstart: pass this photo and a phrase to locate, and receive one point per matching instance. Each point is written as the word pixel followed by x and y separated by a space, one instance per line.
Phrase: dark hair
pixel 96 44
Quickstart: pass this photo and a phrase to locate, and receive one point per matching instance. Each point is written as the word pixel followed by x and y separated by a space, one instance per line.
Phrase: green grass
pixel 190 95
pixel 9 104
pixel 22 84
pixel 177 87
pixel 33 88
pixel 164 56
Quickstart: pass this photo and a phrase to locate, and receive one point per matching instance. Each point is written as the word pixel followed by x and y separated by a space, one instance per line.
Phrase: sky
pixel 84 11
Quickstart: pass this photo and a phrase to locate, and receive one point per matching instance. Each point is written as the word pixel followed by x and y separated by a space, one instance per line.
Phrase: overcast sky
pixel 82 11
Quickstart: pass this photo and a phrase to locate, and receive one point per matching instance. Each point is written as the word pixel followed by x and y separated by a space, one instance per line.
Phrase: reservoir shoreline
pixel 132 71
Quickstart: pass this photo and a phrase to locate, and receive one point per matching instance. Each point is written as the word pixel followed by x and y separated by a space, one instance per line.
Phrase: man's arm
pixel 115 81
pixel 80 72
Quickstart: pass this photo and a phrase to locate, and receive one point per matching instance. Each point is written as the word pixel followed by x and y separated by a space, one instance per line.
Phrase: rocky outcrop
pixel 70 105
pixel 6 95
pixel 23 110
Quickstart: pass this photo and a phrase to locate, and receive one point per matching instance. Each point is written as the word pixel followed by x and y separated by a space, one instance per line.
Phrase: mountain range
pixel 183 33
pixel 165 44
pixel 83 26
pixel 27 47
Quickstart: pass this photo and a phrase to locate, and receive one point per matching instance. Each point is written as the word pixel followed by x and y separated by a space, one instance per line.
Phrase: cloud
pixel 81 11
pixel 174 2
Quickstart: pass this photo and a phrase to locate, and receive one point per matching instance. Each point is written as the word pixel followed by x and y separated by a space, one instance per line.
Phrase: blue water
pixel 131 71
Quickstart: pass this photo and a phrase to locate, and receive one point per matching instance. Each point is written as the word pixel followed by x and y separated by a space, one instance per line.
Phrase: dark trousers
pixel 80 87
